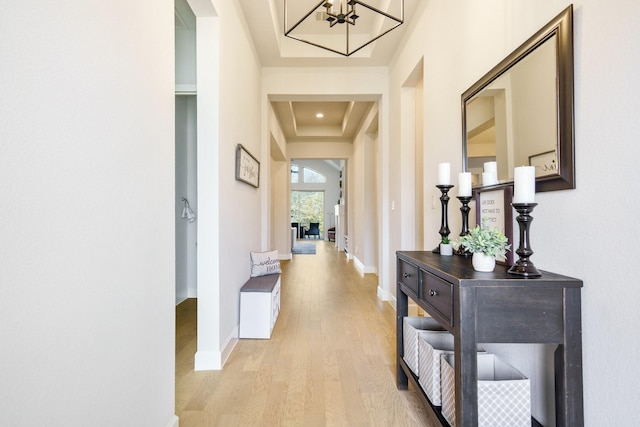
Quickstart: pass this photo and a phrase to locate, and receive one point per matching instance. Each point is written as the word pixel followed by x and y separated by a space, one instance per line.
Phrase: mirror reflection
pixel 512 121
pixel 521 113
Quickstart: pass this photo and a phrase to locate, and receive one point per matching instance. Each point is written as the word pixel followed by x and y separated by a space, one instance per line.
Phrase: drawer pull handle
pixel 433 293
pixel 406 275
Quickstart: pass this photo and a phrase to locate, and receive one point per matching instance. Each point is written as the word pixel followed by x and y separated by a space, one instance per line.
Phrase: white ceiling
pixel 342 117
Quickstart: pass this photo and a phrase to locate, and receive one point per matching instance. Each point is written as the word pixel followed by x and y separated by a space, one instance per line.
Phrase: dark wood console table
pixel 493 307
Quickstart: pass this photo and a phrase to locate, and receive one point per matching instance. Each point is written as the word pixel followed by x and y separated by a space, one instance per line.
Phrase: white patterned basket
pixel 410 328
pixel 504 394
pixel 431 345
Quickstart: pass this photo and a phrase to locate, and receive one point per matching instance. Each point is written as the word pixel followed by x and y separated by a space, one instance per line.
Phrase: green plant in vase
pixel 446 248
pixel 486 244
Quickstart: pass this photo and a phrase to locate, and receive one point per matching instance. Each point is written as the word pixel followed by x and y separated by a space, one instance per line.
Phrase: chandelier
pixel 331 24
pixel 340 18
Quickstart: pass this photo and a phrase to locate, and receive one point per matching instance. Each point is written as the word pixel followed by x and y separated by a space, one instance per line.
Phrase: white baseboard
pixel 215 360
pixel 175 422
pixel 370 269
pixel 364 269
pixel 284 257
pixel 207 361
pixel 229 345
pixel 386 296
pixel 359 265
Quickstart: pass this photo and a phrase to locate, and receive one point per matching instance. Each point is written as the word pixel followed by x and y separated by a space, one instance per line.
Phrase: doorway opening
pixel 316 188
pixel 186 140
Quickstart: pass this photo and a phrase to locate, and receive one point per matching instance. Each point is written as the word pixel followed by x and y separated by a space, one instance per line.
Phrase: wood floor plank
pixel 330 360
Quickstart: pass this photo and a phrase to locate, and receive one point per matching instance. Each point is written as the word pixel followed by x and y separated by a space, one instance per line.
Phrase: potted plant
pixel 446 248
pixel 486 244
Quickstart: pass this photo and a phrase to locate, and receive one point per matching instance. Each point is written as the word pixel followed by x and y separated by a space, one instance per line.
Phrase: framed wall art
pixel 247 167
pixel 495 205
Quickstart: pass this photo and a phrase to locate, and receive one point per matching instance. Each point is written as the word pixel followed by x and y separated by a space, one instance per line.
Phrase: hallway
pixel 329 362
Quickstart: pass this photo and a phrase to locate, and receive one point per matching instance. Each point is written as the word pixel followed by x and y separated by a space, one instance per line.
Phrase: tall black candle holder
pixel 462 251
pixel 444 226
pixel 524 267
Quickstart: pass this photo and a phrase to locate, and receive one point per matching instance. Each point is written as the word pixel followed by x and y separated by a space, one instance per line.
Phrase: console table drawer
pixel 408 275
pixel 438 294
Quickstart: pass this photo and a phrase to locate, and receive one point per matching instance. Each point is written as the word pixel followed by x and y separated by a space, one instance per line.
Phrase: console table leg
pixel 568 365
pixel 402 310
pixel 466 358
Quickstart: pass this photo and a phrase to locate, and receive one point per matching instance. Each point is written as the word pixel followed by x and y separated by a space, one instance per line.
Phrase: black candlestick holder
pixel 444 226
pixel 524 267
pixel 462 251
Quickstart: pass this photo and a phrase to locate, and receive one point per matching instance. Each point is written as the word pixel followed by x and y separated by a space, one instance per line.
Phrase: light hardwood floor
pixel 329 362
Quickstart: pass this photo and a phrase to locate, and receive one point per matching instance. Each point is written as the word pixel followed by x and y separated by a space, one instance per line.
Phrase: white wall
pixel 279 201
pixel 572 231
pixel 240 204
pixel 319 150
pixel 280 229
pixel 370 231
pixel 209 354
pixel 363 196
pixel 87 200
pixel 229 113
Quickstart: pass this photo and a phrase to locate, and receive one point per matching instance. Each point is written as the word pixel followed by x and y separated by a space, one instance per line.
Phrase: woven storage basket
pixel 431 345
pixel 504 394
pixel 411 327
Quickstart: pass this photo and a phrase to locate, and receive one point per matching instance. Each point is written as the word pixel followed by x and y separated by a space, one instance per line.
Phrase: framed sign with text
pixel 495 206
pixel 247 167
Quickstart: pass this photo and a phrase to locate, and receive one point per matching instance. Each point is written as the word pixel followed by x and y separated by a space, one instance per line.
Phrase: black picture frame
pixel 247 167
pixel 495 203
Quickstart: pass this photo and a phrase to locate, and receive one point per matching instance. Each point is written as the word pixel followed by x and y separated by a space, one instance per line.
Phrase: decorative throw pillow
pixel 263 263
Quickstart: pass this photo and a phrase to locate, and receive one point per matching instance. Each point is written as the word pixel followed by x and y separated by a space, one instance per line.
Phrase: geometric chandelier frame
pixel 342 26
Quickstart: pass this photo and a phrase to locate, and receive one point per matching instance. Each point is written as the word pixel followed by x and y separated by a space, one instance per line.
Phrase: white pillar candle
pixel 489 178
pixel 444 174
pixel 524 184
pixel 464 184
pixel 490 167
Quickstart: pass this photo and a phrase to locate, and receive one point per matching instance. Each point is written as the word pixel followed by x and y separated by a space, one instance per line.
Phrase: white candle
pixel 464 184
pixel 489 178
pixel 524 184
pixel 490 167
pixel 444 174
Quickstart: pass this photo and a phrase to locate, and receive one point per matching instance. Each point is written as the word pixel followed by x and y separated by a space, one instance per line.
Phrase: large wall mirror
pixel 521 112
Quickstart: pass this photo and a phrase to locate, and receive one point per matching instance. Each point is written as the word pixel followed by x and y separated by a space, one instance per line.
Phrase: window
pixel 307 207
pixel 309 176
pixel 312 176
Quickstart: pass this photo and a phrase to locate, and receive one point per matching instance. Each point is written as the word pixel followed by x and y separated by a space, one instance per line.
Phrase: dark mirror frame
pixel 562 26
